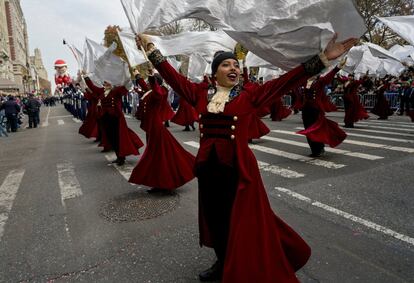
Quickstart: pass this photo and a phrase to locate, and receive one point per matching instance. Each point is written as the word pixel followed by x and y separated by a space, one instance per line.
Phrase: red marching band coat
pixel 257 128
pixel 129 142
pixel 165 164
pixel 261 247
pixel 382 107
pixel 323 130
pixel 186 114
pixel 165 109
pixel 355 111
pixel 89 128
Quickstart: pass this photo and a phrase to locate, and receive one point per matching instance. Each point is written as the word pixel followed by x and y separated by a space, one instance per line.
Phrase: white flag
pixel 92 51
pixel 380 52
pixel 198 66
pixel 401 25
pixel 269 74
pixel 174 62
pixel 112 68
pixel 76 53
pixel 284 33
pixel 135 56
pixel 404 53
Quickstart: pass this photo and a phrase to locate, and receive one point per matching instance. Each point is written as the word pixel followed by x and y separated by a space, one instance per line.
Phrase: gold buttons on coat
pixel 232 137
pixel 201 126
pixel 233 127
pixel 199 116
pixel 201 135
pixel 235 118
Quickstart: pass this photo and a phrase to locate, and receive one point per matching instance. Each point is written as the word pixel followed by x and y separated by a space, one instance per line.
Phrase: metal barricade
pixel 393 99
pixel 337 100
pixel 368 100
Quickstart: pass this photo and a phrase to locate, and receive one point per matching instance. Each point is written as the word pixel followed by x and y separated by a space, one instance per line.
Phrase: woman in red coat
pixel 122 139
pixel 354 111
pixel 318 129
pixel 382 107
pixel 185 116
pixel 252 244
pixel 278 111
pixel 163 154
pixel 257 128
pixel 89 128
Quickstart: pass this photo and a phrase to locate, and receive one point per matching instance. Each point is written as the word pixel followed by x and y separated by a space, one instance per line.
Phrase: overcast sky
pixel 49 21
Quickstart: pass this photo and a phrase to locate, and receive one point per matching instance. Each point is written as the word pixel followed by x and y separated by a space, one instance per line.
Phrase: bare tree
pixel 200 25
pixel 377 32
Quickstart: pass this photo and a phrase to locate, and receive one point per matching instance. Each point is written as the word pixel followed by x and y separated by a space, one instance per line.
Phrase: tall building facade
pixel 18 44
pixel 6 66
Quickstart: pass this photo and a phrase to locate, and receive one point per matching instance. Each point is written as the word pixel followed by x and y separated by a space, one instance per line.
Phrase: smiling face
pixel 107 85
pixel 228 73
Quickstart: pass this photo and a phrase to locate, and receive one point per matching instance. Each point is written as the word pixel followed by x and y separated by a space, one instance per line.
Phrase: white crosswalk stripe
pixel 68 183
pixel 60 122
pixel 327 149
pixel 286 173
pixel 125 170
pixel 360 143
pixel 8 191
pixel 382 132
pixel 298 157
pixel 377 145
pixel 373 137
pixel 389 128
pixel 382 123
pixel 348 216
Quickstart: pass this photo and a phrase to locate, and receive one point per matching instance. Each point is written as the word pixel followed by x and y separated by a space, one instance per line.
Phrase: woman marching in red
pixel 318 129
pixel 354 111
pixel 185 116
pixel 257 128
pixel 89 128
pixel 121 139
pixel 163 154
pixel 251 243
pixel 382 107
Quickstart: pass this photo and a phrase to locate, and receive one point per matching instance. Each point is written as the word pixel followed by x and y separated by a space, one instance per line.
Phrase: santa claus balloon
pixel 62 77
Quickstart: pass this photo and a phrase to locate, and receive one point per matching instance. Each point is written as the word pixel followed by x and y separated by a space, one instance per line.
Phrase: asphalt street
pixel 67 214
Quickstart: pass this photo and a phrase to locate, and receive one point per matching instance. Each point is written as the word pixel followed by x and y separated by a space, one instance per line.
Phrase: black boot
pixel 192 126
pixel 214 273
pixel 167 124
pixel 120 161
pixel 187 128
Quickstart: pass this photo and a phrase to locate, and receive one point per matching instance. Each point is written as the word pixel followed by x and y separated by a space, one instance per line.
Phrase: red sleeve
pixel 91 86
pixel 185 88
pixel 158 90
pixel 245 75
pixel 120 91
pixel 327 79
pixel 267 93
pixel 141 82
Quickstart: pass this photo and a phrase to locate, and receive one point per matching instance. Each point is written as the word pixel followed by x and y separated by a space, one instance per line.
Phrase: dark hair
pixel 219 57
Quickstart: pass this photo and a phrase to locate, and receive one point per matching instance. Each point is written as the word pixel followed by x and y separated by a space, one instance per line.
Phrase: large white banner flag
pixel 284 33
pixel 252 60
pixel 404 53
pixel 112 68
pixel 401 25
pixel 204 43
pixel 75 52
pixel 380 52
pixel 361 60
pixel 92 51
pixel 198 66
pixel 135 56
